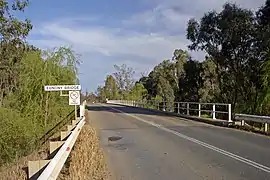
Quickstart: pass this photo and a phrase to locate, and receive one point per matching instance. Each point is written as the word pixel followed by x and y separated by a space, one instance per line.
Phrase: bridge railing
pixel 205 110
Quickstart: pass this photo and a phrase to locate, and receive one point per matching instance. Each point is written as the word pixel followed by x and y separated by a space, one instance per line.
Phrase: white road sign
pixel 62 88
pixel 74 98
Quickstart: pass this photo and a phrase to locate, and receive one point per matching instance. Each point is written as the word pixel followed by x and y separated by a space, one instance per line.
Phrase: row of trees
pixel 26 110
pixel 235 70
pixel 121 85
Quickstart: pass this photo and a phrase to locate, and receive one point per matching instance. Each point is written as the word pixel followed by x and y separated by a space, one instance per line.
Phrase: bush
pixel 16 135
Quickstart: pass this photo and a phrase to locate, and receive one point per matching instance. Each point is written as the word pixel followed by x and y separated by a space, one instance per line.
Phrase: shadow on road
pixel 129 110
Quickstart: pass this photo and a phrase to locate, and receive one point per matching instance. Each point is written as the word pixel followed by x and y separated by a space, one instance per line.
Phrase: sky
pixel 138 33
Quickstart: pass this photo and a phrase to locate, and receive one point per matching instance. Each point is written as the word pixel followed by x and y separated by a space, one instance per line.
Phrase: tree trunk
pixel 46 110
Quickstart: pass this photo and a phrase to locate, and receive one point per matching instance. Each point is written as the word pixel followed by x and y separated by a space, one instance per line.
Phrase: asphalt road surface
pixel 159 147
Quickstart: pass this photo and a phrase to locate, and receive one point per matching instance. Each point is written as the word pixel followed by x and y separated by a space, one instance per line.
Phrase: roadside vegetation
pixel 236 68
pixel 26 111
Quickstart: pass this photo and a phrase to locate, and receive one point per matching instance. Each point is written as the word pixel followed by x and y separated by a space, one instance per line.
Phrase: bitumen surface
pixel 144 145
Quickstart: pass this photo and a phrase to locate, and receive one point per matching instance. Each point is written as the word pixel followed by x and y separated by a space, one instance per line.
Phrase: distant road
pixel 159 147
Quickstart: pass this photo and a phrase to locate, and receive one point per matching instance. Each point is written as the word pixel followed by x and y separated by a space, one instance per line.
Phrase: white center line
pixel 221 151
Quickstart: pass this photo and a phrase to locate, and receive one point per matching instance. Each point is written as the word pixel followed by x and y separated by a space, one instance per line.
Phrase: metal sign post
pixel 74 99
pixel 74 93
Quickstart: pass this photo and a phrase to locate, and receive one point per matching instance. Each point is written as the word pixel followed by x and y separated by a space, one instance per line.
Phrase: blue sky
pixel 138 33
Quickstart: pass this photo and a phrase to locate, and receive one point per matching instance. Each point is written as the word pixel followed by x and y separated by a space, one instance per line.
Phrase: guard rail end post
pixel 266 127
pixel 188 109
pixel 214 111
pixel 199 109
pixel 230 113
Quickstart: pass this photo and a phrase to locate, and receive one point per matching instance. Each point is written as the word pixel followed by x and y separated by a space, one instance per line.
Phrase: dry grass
pixel 86 160
pixel 18 170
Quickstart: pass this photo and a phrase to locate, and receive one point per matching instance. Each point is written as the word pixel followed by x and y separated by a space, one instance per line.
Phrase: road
pixel 158 147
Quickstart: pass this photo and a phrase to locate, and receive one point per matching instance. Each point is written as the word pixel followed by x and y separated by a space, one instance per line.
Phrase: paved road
pixel 159 147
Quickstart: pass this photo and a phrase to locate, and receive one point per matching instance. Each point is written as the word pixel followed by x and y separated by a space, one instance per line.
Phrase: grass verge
pixel 86 160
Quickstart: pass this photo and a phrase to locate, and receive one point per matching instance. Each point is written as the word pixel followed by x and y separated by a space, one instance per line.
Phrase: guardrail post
pixel 214 111
pixel 199 108
pixel 178 108
pixel 266 127
pixel 230 113
pixel 242 122
pixel 187 108
pixel 35 168
pixel 164 106
pixel 54 145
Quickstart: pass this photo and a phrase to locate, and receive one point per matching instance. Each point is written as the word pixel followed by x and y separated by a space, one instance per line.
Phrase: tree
pixel 180 58
pixel 110 88
pixel 12 47
pixel 191 83
pixel 138 92
pixel 227 37
pixel 263 53
pixel 101 94
pixel 124 77
pixel 165 90
pixel 209 91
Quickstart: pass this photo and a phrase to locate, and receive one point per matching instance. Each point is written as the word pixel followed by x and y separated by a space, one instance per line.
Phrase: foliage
pixel 110 88
pixel 17 135
pixel 30 111
pixel 12 47
pixel 124 77
pixel 138 92
pixel 26 110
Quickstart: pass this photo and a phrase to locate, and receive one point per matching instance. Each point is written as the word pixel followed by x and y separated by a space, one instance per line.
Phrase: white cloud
pixel 108 41
pixel 158 30
pixel 141 41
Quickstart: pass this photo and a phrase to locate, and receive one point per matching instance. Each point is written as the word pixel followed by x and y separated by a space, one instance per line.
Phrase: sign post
pixel 74 93
pixel 74 99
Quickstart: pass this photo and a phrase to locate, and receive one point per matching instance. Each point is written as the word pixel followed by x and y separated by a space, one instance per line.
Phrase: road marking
pixel 221 151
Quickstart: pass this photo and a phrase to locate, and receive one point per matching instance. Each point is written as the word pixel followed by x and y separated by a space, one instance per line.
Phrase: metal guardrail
pixel 215 110
pixel 253 118
pixel 50 169
pixel 57 127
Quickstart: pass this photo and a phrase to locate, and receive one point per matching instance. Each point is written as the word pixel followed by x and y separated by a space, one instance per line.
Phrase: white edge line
pixel 221 151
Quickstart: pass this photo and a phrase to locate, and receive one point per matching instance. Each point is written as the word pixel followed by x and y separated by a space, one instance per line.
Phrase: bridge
pixel 142 143
pixel 162 140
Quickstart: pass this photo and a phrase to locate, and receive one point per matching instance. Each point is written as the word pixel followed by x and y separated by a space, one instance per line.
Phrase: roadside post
pixel 74 100
pixel 74 94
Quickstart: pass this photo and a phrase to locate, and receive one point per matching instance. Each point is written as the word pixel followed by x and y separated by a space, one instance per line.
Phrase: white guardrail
pixel 197 107
pixel 51 168
pixel 254 118
pixel 223 111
